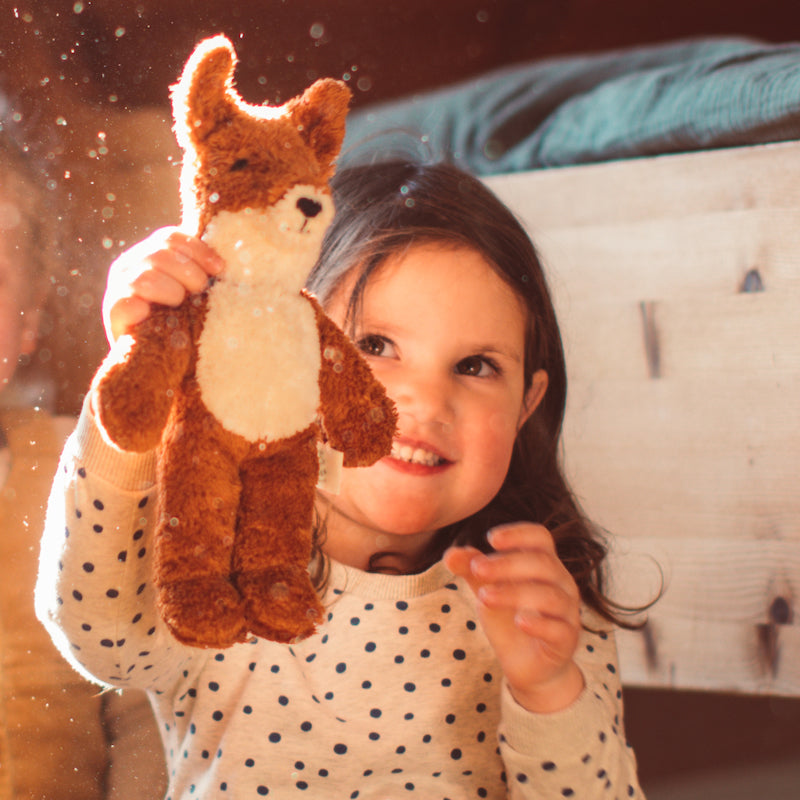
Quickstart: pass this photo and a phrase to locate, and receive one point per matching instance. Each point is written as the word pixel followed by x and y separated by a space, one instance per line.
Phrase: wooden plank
pixel 671 258
pixel 682 433
pixel 713 627
pixel 670 186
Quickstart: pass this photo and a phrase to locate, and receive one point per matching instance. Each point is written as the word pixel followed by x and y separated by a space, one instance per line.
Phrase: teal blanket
pixel 678 97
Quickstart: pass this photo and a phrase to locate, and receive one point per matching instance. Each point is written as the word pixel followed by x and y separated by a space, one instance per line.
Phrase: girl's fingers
pixel 127 312
pixel 189 274
pixel 195 251
pixel 521 536
pixel 166 278
pixel 459 559
pixel 161 269
pixel 534 599
pixel 546 629
pixel 522 565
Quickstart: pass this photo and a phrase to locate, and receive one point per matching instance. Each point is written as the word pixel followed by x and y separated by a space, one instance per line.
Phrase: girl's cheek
pixel 501 423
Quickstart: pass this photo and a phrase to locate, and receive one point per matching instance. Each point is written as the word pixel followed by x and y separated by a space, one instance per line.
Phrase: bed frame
pixel 677 284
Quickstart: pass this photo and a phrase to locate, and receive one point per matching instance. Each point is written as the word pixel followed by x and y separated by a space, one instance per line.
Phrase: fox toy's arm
pixel 358 418
pixel 134 388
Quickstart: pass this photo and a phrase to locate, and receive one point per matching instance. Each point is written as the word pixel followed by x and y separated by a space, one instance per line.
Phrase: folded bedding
pixel 676 97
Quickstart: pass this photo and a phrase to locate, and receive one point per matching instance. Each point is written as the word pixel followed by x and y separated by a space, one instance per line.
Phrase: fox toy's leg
pixel 200 494
pixel 273 541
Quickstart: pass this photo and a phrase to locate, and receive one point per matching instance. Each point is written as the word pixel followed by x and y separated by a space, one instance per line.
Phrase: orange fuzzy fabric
pixel 234 538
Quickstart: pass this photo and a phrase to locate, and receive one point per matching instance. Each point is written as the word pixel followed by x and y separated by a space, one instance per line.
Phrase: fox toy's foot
pixel 203 612
pixel 280 603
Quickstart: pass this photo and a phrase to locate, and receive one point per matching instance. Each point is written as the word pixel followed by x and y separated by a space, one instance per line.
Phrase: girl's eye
pixel 477 367
pixel 374 345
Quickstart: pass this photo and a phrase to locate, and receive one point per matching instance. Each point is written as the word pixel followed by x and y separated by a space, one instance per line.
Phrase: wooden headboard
pixel 677 283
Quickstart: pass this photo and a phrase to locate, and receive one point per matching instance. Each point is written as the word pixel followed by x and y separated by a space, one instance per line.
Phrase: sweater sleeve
pixel 94 592
pixel 580 751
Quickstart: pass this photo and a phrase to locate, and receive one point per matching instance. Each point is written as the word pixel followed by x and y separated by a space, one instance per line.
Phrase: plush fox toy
pixel 237 385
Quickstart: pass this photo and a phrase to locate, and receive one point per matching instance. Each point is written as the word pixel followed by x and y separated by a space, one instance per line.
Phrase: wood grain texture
pixel 677 284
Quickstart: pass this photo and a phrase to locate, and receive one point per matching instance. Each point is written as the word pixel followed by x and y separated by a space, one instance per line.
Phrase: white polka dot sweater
pixel 398 694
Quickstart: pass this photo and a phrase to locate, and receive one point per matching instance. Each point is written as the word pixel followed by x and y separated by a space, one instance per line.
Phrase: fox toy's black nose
pixel 308 207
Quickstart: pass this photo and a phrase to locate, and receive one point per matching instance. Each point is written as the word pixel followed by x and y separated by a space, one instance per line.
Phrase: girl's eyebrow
pixel 492 349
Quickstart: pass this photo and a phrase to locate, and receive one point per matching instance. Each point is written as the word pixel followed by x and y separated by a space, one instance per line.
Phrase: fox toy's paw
pixel 203 612
pixel 280 603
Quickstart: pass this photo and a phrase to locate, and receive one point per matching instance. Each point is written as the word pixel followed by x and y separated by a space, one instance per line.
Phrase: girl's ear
pixel 533 396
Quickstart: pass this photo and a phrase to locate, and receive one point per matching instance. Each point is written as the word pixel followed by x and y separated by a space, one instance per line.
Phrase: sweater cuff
pixel 570 731
pixel 132 472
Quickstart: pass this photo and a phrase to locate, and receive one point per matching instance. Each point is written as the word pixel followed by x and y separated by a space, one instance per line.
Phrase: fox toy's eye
pixel 240 163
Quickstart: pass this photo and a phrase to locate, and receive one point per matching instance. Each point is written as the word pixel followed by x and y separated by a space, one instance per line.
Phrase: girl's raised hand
pixel 529 607
pixel 162 268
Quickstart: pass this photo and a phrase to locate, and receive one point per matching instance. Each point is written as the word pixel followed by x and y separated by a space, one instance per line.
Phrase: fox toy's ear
pixel 319 114
pixel 204 96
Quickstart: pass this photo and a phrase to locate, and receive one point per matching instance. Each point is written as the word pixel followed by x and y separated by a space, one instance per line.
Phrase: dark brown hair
pixel 382 209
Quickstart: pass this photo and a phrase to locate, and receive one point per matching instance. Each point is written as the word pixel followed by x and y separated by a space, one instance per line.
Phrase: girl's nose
pixel 426 400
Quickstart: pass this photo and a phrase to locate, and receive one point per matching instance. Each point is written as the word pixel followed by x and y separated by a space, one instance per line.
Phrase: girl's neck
pixel 355 545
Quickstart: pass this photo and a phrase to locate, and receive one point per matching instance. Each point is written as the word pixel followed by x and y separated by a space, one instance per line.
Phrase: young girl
pixel 467 650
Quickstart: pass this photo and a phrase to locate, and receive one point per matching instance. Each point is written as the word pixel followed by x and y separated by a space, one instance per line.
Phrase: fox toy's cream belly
pixel 258 362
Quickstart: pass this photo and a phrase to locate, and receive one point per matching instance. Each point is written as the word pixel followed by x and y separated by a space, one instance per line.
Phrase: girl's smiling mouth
pixel 407 455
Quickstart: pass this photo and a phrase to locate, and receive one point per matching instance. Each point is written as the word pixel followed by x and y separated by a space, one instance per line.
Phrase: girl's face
pixel 446 337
